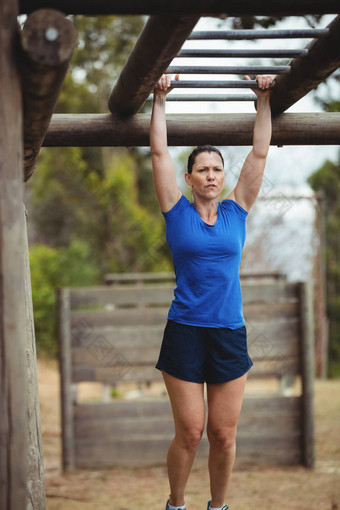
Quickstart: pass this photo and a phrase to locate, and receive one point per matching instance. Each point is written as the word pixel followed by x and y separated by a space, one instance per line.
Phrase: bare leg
pixel 224 407
pixel 187 402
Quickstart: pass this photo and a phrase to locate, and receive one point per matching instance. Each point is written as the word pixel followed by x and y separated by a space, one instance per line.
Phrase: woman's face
pixel 207 176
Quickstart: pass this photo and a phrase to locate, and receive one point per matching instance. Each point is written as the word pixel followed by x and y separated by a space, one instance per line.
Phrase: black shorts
pixel 199 354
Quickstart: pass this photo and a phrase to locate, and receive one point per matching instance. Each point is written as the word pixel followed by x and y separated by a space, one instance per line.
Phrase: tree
pixel 327 180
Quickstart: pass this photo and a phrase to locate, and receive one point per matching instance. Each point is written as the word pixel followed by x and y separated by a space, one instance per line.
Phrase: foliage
pixel 329 99
pixel 249 22
pixel 104 43
pixel 52 268
pixel 327 180
pixel 103 211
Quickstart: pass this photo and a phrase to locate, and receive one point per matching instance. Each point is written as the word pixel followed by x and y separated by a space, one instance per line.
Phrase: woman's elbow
pixel 260 153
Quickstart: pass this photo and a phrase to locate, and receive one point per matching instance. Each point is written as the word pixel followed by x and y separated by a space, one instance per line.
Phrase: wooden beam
pixel 201 7
pixel 307 73
pixel 157 45
pixel 86 130
pixel 13 427
pixel 48 40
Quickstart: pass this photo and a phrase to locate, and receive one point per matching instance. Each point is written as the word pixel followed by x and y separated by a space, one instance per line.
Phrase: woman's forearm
pixel 158 131
pixel 262 128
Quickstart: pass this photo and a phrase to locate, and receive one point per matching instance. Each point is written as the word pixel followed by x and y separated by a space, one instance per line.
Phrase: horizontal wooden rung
pixel 228 70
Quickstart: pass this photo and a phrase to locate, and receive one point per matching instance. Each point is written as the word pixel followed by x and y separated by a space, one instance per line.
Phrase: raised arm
pixel 163 169
pixel 250 180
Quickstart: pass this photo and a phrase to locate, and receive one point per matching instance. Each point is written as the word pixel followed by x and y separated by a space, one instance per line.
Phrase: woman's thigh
pixel 225 402
pixel 187 402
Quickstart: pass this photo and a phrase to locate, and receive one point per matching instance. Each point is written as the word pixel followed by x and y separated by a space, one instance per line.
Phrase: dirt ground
pixel 265 488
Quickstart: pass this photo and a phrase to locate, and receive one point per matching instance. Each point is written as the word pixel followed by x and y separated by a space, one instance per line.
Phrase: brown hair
pixel 198 150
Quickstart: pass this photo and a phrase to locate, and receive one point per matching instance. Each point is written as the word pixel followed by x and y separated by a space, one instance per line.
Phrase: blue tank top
pixel 206 261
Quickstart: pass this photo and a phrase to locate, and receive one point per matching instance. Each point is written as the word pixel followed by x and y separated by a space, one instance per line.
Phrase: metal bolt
pixel 51 34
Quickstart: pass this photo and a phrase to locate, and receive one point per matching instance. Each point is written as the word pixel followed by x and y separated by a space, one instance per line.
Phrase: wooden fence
pixel 112 334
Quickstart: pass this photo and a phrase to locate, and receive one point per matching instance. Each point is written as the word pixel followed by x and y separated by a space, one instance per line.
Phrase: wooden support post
pixel 48 40
pixel 159 42
pixel 35 488
pixel 13 426
pixel 320 313
pixel 185 130
pixel 202 7
pixel 64 345
pixel 308 369
pixel 307 73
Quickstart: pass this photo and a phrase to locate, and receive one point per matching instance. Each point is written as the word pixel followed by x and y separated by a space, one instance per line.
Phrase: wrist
pixel 262 102
pixel 159 99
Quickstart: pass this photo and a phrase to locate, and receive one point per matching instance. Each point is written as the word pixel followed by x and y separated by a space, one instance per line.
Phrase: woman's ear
pixel 187 177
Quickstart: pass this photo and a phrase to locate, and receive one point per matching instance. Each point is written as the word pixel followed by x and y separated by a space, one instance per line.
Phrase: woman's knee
pixel 190 438
pixel 223 438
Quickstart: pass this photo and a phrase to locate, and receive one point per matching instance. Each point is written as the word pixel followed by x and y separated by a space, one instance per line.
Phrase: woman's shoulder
pixel 229 204
pixel 182 203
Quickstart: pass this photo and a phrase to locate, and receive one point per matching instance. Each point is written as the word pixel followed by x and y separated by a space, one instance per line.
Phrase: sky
pixel 288 166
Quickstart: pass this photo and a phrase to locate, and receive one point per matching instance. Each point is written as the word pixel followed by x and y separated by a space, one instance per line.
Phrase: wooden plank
pixel 64 341
pixel 121 295
pixel 115 373
pixel 264 406
pixel 284 309
pixel 157 45
pixel 277 450
pixel 102 130
pixel 269 292
pixel 269 405
pixel 13 405
pixel 308 368
pixel 203 7
pixel 276 367
pixel 140 345
pixel 130 444
pixel 141 452
pixel 48 40
pixel 122 453
pixel 322 59
pixel 139 278
pixel 255 425
pixel 98 430
pixel 84 321
pixel 128 409
pixel 124 295
pixel 273 339
pixel 123 338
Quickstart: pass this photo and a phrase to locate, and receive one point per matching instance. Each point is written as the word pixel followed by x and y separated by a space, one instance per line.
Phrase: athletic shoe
pixel 225 507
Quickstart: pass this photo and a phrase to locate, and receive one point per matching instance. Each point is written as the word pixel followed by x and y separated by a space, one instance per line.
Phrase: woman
pixel 205 336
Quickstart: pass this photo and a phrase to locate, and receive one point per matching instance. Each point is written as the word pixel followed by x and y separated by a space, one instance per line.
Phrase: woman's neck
pixel 207 210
